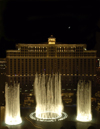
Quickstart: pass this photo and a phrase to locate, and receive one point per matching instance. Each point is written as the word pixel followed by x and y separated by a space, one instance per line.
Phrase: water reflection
pixel 67 123
pixel 82 125
pixel 14 127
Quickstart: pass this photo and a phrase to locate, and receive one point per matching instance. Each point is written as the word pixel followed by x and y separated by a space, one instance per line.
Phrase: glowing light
pixel 51 42
pixel 85 49
pixel 69 27
pixel 59 118
pixel 13 121
pixel 48 97
pixel 84 117
pixel 84 101
pixel 12 107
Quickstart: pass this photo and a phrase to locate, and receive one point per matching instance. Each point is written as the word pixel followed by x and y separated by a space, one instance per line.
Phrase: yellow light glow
pixel 51 39
pixel 51 42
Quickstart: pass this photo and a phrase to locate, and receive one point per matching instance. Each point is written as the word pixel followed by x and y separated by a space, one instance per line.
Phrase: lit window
pixel 30 94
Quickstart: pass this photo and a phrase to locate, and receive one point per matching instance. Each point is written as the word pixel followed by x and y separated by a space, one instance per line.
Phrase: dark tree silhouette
pixel 72 127
pixel 91 127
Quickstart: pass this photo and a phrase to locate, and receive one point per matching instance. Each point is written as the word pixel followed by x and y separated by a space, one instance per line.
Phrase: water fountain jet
pixel 84 101
pixel 12 107
pixel 49 105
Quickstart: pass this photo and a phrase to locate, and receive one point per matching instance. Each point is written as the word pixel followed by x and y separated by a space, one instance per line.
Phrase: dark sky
pixel 34 21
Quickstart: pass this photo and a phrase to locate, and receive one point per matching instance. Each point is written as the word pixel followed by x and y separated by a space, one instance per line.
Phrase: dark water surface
pixel 67 123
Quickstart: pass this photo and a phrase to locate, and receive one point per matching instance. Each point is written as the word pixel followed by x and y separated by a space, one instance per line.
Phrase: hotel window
pixel 22 48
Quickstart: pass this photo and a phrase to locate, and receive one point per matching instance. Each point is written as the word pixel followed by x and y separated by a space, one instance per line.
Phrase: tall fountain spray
pixel 12 107
pixel 48 97
pixel 84 101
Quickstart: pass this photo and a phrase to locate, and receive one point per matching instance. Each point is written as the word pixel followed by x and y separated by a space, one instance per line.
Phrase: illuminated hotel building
pixel 72 61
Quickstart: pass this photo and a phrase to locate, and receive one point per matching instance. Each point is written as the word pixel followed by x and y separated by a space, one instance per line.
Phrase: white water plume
pixel 48 96
pixel 84 101
pixel 12 107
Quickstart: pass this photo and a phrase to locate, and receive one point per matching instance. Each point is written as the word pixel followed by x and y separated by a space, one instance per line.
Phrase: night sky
pixel 71 22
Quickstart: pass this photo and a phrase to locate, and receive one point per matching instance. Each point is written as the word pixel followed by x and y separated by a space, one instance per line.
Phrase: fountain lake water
pixel 84 101
pixel 12 108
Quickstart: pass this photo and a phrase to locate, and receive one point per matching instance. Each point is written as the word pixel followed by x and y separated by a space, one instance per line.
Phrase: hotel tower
pixel 72 61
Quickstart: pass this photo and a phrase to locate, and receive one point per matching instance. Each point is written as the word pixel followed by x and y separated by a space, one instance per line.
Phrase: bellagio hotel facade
pixel 72 61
